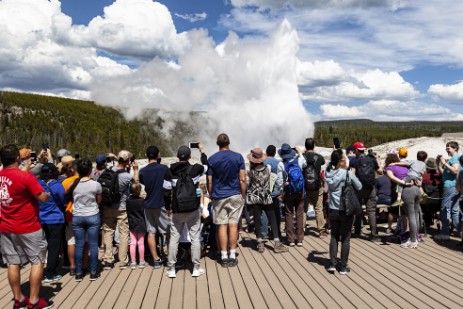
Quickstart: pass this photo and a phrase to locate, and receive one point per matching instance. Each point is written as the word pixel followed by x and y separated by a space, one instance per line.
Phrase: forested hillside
pixel 82 127
pixel 373 133
pixel 87 128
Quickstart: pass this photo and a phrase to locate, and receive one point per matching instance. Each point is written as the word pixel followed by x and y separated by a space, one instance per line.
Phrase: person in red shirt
pixel 22 237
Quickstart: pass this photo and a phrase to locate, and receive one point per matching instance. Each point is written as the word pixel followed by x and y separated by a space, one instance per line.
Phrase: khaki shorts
pixel 227 210
pixel 19 249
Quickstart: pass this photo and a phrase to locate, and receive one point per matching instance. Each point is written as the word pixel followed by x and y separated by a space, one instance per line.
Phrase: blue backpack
pixel 295 178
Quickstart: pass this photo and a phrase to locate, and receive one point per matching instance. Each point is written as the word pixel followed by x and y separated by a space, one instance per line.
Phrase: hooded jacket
pixel 336 179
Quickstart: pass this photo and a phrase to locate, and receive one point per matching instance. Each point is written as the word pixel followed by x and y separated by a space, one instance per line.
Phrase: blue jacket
pixel 52 211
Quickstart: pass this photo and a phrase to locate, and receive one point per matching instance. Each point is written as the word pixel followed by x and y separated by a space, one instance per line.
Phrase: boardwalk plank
pixel 165 289
pixel 266 290
pixel 132 283
pixel 202 290
pixel 104 288
pixel 136 299
pixel 87 296
pixel 177 293
pixel 213 282
pixel 152 291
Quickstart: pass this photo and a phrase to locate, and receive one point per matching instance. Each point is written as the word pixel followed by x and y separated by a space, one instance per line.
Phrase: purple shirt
pixel 399 171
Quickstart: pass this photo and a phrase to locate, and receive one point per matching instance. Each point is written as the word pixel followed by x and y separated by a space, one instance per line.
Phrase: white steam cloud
pixel 248 87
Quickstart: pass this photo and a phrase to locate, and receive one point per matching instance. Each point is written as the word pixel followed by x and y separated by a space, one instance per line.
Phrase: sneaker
pixel 397 203
pixel 260 247
pixel 79 277
pixel 280 248
pixel 133 265
pixel 72 272
pixel 344 270
pixel 108 266
pixel 374 238
pixel 441 237
pixel 157 263
pixel 142 264
pixel 21 304
pixel 389 231
pixel 40 304
pixel 94 276
pixel 57 278
pixel 198 272
pixel 232 262
pixel 124 265
pixel 331 268
pixel 323 234
pixel 409 244
pixel 47 280
pixel 291 244
pixel 171 272
pixel 224 262
pixel 299 244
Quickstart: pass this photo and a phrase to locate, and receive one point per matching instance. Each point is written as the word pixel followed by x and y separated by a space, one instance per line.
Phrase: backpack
pixel 295 179
pixel 259 191
pixel 312 175
pixel 185 198
pixel 365 171
pixel 109 181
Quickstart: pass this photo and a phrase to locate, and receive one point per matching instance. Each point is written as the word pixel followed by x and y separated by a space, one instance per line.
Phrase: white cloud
pixel 390 35
pixel 327 81
pixel 192 18
pixel 133 28
pixel 389 110
pixel 450 93
pixel 298 4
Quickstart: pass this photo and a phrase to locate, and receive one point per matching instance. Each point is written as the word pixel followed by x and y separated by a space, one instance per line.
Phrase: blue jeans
pixel 450 208
pixel 91 226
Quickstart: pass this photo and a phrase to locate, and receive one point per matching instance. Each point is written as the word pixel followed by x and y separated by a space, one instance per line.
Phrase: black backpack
pixel 365 171
pixel 184 197
pixel 312 175
pixel 109 181
pixel 349 200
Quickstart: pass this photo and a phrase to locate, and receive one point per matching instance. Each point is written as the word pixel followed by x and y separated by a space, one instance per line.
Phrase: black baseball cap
pixel 184 153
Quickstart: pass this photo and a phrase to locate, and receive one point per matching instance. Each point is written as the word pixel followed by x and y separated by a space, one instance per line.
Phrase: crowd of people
pixel 59 210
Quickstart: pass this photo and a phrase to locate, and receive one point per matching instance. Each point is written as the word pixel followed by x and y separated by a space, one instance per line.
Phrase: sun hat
pixel 67 160
pixel 257 156
pixel 359 146
pixel 286 152
pixel 431 164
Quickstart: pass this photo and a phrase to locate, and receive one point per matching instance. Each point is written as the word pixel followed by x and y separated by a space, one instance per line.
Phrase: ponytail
pixel 336 156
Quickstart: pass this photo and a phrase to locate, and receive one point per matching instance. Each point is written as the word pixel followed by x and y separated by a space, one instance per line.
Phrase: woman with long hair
pixel 341 224
pixel 85 194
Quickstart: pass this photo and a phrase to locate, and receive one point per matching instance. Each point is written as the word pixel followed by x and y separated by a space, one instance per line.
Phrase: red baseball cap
pixel 359 146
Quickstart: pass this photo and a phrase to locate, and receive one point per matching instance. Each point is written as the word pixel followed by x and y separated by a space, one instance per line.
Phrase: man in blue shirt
pixel 227 186
pixel 152 177
pixel 450 196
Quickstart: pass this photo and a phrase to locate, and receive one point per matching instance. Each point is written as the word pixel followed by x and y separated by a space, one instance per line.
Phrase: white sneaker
pixel 409 244
pixel 442 237
pixel 198 272
pixel 171 273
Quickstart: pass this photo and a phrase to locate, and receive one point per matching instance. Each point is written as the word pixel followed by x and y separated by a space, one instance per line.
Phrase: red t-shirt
pixel 19 209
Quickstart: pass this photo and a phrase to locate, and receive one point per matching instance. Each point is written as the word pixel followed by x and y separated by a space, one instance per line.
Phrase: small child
pixel 416 169
pixel 137 226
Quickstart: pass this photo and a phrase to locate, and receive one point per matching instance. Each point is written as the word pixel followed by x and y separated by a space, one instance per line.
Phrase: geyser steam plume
pixel 247 86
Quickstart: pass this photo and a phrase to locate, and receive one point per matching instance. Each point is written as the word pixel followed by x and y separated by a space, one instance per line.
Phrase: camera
pixel 33 156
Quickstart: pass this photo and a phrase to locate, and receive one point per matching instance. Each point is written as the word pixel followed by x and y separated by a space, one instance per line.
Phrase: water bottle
pixel 198 192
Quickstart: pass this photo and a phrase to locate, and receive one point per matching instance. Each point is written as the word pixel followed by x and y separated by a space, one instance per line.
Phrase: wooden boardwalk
pixel 383 275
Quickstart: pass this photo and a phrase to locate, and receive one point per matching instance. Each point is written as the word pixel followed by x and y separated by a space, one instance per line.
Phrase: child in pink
pixel 137 226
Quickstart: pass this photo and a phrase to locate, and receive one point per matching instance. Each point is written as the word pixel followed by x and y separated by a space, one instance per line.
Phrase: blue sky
pixel 395 60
